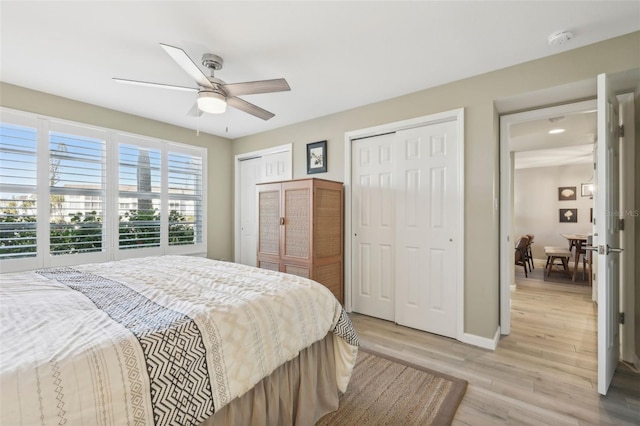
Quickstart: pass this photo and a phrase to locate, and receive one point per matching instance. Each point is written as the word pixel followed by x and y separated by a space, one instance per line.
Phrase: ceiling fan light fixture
pixel 212 102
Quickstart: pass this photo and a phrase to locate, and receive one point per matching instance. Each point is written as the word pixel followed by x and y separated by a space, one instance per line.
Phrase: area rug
pixel 388 391
pixel 559 276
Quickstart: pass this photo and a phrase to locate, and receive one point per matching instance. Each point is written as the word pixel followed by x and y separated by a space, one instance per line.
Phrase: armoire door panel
pixel 327 231
pixel 269 222
pixel 272 266
pixel 297 226
pixel 298 270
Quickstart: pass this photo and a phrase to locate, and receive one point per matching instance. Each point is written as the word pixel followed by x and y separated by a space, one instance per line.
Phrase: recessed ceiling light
pixel 556 119
pixel 556 131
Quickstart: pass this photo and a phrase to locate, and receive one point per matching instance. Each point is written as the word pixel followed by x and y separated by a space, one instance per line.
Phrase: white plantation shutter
pixel 18 191
pixel 185 175
pixel 72 193
pixel 77 192
pixel 139 196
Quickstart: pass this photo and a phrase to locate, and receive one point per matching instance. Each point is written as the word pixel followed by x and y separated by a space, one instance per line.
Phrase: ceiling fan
pixel 214 94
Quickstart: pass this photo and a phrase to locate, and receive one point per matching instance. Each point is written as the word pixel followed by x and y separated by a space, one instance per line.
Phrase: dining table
pixel 578 241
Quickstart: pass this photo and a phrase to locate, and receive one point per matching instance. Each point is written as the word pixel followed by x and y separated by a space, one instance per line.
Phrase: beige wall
pixel 536 204
pixel 477 96
pixel 219 157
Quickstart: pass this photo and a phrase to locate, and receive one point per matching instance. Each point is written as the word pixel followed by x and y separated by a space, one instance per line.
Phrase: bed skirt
pixel 298 392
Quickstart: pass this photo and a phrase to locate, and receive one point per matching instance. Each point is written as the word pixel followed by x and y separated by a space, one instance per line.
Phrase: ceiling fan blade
pixel 255 87
pixel 187 64
pixel 249 108
pixel 160 85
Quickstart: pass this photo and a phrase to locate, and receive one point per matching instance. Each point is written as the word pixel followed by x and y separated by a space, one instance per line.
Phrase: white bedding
pixel 75 349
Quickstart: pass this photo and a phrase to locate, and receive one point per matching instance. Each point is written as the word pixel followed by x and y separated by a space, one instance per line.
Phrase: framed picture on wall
pixel 566 193
pixel 317 157
pixel 568 215
pixel 586 190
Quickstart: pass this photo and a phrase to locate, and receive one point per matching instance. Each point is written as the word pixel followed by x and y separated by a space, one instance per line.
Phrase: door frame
pixel 236 202
pixel 456 115
pixel 507 274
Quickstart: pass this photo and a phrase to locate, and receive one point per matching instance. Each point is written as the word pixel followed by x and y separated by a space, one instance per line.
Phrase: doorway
pixel 534 122
pixel 604 215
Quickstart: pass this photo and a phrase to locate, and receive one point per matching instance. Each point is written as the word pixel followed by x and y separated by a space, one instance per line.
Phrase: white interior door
pixel 427 228
pixel 607 202
pixel 373 226
pixel 249 177
pixel 269 167
pixel 405 224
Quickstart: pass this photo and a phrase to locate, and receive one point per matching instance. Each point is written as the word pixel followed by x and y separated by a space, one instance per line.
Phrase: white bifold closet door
pixel 405 225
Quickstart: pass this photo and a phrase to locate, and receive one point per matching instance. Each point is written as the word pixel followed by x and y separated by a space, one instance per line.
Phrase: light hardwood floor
pixel 544 372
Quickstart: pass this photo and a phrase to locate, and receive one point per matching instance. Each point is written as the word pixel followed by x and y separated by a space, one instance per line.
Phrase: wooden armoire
pixel 301 230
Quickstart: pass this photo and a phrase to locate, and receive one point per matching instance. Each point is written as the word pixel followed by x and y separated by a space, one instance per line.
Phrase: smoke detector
pixel 559 38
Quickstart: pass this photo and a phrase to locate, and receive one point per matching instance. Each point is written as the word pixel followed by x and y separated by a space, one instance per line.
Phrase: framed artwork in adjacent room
pixel 568 215
pixel 566 193
pixel 586 190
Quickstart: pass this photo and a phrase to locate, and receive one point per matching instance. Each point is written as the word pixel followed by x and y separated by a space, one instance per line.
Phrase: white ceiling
pixel 335 55
pixel 534 146
pixel 552 157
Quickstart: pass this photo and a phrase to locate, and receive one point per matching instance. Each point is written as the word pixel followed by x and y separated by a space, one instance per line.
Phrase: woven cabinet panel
pixel 297 218
pixel 299 271
pixel 269 222
pixel 269 265
pixel 331 277
pixel 328 229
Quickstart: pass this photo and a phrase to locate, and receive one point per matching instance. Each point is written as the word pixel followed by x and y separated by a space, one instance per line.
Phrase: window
pixel 18 182
pixel 139 197
pixel 76 193
pixel 109 195
pixel 185 199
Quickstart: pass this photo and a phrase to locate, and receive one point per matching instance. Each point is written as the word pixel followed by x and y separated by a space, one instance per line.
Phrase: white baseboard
pixel 482 342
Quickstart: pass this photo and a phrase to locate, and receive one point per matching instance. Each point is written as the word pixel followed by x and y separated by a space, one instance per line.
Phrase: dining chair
pixel 530 252
pixel 521 253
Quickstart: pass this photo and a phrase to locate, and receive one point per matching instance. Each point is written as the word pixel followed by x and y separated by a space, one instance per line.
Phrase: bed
pixel 170 340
